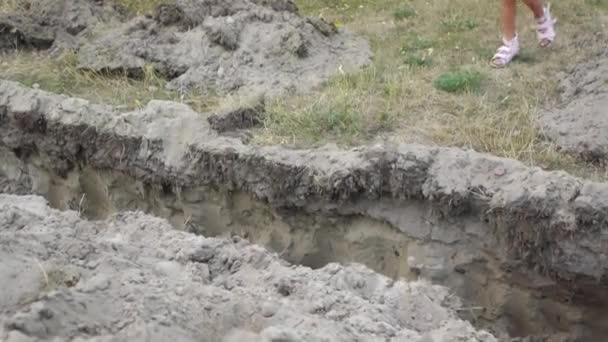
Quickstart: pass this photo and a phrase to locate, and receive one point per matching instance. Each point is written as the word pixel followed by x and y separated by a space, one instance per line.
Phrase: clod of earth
pixel 525 245
pixel 580 125
pixel 135 278
pixel 55 24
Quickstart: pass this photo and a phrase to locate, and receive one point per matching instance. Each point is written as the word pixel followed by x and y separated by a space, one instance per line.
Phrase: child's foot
pixel 545 30
pixel 505 54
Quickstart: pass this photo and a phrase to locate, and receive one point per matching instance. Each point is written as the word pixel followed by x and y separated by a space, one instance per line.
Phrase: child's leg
pixel 509 8
pixel 510 47
pixel 544 30
pixel 537 8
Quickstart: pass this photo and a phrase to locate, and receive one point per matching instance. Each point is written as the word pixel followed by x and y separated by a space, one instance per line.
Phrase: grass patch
pixel 458 81
pixel 403 13
pixel 61 76
pixel 136 7
pixel 457 24
pixel 487 110
pixel 140 7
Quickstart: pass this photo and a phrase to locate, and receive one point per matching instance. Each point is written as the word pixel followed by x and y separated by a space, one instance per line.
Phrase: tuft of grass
pixel 403 13
pixel 458 81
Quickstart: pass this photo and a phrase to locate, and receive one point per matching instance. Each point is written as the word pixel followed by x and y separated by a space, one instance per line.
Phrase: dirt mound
pixel 580 124
pixel 135 278
pixel 57 24
pixel 245 45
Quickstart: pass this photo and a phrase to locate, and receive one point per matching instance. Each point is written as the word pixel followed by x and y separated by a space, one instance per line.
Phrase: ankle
pixel 509 40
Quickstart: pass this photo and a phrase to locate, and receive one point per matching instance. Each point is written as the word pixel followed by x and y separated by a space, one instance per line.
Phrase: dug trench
pixel 525 248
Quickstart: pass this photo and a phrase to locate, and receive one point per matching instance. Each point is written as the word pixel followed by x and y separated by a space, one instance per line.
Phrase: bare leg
pixel 509 8
pixel 537 8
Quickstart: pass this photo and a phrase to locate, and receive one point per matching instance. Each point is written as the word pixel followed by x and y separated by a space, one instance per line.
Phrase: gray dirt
pixel 259 47
pixel 54 24
pixel 580 124
pixel 135 278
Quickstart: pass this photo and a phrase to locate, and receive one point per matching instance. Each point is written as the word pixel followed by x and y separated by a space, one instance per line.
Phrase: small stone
pixel 500 171
pixel 36 86
pixel 269 309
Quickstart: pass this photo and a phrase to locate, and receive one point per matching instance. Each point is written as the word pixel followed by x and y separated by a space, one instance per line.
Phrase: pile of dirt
pixel 135 278
pixel 263 47
pixel 580 125
pixel 55 24
pixel 249 46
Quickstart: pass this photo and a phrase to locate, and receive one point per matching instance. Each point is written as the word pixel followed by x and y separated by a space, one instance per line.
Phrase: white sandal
pixel 545 31
pixel 506 53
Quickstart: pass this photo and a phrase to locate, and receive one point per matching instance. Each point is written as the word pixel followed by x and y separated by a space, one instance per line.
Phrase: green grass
pixel 403 13
pixel 458 81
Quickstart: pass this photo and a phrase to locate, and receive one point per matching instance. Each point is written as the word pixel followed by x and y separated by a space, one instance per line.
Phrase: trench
pixel 399 238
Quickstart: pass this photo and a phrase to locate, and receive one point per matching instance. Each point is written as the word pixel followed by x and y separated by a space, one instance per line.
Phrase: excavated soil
pixel 524 248
pixel 135 278
pixel 580 124
pixel 52 24
pixel 250 47
pixel 348 241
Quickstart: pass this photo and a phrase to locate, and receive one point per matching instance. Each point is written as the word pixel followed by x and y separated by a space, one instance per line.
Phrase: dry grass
pixel 136 7
pixel 141 6
pixel 7 6
pixel 421 49
pixel 61 76
pixel 425 47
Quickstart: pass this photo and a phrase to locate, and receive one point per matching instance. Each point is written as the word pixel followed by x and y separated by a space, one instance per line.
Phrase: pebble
pixel 269 309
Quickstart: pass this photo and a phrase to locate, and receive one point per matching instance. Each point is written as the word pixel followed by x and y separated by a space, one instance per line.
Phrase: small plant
pixel 458 81
pixel 403 13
